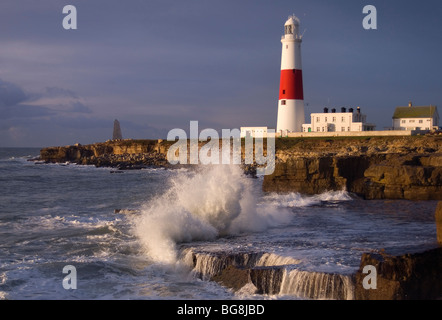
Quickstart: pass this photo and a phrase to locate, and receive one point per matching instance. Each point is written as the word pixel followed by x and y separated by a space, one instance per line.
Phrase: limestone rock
pixel 381 168
pixel 439 222
pixel 373 168
pixel 409 276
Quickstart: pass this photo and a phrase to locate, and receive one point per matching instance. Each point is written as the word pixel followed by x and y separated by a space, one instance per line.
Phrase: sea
pixel 79 232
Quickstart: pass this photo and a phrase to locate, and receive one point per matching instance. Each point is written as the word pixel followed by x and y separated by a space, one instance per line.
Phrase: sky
pixel 157 65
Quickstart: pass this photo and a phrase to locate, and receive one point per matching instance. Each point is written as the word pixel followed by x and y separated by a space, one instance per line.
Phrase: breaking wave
pixel 295 199
pixel 214 201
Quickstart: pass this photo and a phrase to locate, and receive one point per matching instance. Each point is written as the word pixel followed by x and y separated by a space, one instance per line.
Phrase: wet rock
pixel 410 276
pixel 375 176
pixel 439 222
pixel 373 168
pixel 267 280
pixel 233 277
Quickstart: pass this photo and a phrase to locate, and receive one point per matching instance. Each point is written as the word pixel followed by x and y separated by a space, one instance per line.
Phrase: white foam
pixel 317 285
pixel 214 201
pixel 295 199
pixel 271 259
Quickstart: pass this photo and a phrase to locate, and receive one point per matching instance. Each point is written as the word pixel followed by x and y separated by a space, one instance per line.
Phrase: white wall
pixel 413 123
pixel 335 122
pixel 349 134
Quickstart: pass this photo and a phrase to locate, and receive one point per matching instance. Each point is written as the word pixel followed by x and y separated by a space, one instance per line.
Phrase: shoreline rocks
pixel 408 276
pixel 411 276
pixel 372 168
pixel 120 154
pixel 438 218
pixel 380 176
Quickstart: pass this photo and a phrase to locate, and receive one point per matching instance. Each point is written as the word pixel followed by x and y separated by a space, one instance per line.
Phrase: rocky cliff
pixel 123 154
pixel 409 276
pixel 373 168
pixel 438 218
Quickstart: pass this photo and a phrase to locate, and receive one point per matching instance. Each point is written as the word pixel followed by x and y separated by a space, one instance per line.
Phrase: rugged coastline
pixel 408 167
pixel 120 154
pixel 373 168
pixel 407 276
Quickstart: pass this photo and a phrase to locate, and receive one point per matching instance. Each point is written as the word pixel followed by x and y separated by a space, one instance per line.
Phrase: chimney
pixel 350 110
pixel 325 110
pixel 333 110
pixel 343 109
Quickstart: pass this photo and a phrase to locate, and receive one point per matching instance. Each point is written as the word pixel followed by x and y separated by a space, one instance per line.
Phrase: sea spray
pixel 210 202
pixel 296 200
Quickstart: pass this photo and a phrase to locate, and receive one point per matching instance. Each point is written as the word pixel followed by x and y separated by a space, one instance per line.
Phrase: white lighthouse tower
pixel 291 95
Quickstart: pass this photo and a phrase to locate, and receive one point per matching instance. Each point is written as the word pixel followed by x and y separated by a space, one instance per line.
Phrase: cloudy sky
pixel 156 65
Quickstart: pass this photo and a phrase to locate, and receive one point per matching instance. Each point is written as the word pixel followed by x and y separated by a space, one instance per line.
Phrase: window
pixel 286 46
pixel 288 29
pixel 342 128
pixel 283 91
pixel 411 121
pixel 403 121
pixel 421 121
pixel 325 119
pixel 343 119
pixel 318 119
pixel 348 129
pixel 318 129
pixel 334 119
pixel 282 102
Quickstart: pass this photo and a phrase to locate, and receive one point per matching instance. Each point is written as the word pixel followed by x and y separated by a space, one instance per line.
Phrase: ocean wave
pixel 295 199
pixel 203 205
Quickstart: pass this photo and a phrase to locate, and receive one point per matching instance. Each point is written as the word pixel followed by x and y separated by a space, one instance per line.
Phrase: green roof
pixel 415 112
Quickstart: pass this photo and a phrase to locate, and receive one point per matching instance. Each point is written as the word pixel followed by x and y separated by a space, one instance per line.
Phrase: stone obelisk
pixel 117 135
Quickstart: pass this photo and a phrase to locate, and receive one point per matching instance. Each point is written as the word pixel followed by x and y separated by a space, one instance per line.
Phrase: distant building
pixel 348 121
pixel 255 132
pixel 416 118
pixel 117 135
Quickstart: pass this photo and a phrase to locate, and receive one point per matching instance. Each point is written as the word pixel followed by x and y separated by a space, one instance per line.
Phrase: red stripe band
pixel 290 86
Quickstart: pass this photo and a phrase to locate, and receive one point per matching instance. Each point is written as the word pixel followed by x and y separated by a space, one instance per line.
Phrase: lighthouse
pixel 291 96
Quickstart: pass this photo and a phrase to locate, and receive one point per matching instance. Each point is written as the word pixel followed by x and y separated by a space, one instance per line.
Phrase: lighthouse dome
pixel 292 20
pixel 291 27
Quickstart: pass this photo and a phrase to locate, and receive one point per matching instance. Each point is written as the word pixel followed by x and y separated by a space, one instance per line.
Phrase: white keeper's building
pixel 416 118
pixel 333 121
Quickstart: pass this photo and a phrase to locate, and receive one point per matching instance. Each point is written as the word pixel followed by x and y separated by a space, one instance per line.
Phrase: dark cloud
pixel 60 92
pixel 79 107
pixel 10 94
pixel 156 65
pixel 15 103
pixel 26 111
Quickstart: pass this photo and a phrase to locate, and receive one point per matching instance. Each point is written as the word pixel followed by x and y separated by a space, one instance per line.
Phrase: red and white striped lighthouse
pixel 291 95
